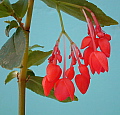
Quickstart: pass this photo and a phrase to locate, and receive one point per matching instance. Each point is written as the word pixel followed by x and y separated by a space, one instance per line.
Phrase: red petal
pixel 96 43
pixel 82 83
pixel 70 73
pixel 95 63
pixel 84 71
pixel 85 42
pixel 102 59
pixel 104 46
pixel 86 55
pixel 64 88
pixel 47 86
pixel 53 72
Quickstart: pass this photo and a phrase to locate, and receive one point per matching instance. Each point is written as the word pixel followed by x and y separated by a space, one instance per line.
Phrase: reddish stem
pixel 91 28
pixel 93 16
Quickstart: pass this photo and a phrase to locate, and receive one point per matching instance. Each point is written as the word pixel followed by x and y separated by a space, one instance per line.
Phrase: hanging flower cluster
pixel 97 50
pixel 98 46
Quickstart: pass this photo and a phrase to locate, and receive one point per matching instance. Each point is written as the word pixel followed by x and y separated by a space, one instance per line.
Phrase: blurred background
pixel 103 95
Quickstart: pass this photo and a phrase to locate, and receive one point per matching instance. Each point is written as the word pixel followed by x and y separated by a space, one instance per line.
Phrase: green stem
pixel 23 71
pixel 62 25
pixel 29 15
pixel 60 16
pixel 68 38
pixel 22 79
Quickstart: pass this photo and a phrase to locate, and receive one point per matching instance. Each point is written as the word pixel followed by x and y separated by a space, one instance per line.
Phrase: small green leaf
pixel 13 24
pixel 35 85
pixel 5 8
pixel 103 19
pixel 37 57
pixel 20 8
pixel 30 72
pixel 12 51
pixel 35 46
pixel 10 76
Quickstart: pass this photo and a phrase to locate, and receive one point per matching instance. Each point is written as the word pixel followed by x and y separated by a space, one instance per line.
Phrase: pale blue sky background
pixel 103 96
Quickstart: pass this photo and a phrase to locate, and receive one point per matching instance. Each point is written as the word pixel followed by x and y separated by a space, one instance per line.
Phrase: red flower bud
pixel 53 72
pixel 82 83
pixel 70 73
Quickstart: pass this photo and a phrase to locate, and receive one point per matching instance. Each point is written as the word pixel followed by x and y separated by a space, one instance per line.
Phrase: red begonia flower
pixel 82 83
pixel 84 71
pixel 47 86
pixel 98 62
pixel 104 46
pixel 63 89
pixel 53 72
pixel 70 73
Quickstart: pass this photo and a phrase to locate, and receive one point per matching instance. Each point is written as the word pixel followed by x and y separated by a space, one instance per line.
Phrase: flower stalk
pixel 60 16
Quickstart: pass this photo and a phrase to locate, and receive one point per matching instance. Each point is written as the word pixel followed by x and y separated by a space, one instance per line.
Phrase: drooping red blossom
pixel 53 72
pixel 47 85
pixel 98 62
pixel 70 73
pixel 82 83
pixel 82 80
pixel 95 58
pixel 63 89
pixel 84 71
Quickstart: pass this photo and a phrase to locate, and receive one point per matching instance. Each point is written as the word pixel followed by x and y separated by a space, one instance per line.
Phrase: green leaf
pixel 35 46
pixel 20 8
pixel 37 57
pixel 12 51
pixel 35 85
pixel 30 73
pixel 5 8
pixel 10 76
pixel 13 24
pixel 68 7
